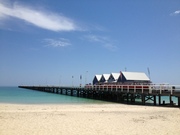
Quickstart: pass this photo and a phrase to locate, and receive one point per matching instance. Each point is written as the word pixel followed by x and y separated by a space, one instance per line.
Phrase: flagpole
pixel 80 80
pixel 149 73
pixel 72 81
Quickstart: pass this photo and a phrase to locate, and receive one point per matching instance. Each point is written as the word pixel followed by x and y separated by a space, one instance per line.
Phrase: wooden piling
pixel 154 99
pixel 170 100
pixel 143 99
pixel 179 101
pixel 77 93
pixel 159 99
pixel 71 92
pixel 127 97
pixel 57 90
pixel 132 98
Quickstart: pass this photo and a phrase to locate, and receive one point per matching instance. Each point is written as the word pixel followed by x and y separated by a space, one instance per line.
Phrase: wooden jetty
pixel 118 93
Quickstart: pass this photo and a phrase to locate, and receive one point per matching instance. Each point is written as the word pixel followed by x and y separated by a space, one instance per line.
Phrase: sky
pixel 45 42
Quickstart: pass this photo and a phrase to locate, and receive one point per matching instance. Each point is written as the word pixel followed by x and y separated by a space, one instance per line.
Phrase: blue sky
pixel 44 42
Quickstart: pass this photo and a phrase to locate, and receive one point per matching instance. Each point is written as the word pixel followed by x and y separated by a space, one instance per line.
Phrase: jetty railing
pixel 151 89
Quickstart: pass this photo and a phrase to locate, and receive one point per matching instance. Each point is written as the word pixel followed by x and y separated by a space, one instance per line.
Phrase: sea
pixel 15 95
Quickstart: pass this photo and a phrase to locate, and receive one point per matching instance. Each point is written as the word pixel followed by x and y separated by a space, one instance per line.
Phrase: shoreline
pixel 89 119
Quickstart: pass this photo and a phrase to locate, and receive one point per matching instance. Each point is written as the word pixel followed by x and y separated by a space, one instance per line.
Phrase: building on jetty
pixel 113 78
pixel 96 79
pixel 122 78
pixel 104 78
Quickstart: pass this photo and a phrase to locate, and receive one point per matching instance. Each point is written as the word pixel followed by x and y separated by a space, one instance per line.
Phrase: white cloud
pixel 43 19
pixel 111 47
pixel 104 41
pixel 176 12
pixel 61 42
pixel 95 38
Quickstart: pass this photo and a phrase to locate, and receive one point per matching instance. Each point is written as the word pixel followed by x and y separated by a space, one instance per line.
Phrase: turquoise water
pixel 163 98
pixel 166 99
pixel 15 95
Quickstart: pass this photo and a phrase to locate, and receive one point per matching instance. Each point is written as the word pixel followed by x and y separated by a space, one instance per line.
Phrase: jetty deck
pixel 118 93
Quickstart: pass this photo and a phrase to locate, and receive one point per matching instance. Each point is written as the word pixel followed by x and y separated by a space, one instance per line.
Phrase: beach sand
pixel 93 119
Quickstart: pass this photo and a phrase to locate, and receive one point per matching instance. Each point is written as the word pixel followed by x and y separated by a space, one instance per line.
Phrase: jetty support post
pixel 118 97
pixel 143 99
pixel 66 91
pixel 77 93
pixel 154 99
pixel 159 99
pixel 170 99
pixel 72 92
pixel 132 98
pixel 57 90
pixel 179 101
pixel 121 97
pixel 127 97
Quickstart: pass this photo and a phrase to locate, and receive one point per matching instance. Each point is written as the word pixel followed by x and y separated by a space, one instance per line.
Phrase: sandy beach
pixel 103 119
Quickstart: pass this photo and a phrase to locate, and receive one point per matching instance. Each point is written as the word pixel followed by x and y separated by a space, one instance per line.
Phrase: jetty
pixel 119 93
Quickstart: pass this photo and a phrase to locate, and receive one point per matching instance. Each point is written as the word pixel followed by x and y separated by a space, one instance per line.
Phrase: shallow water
pixel 24 96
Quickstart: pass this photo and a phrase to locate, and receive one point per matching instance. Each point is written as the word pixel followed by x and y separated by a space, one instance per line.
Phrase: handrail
pixel 160 88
